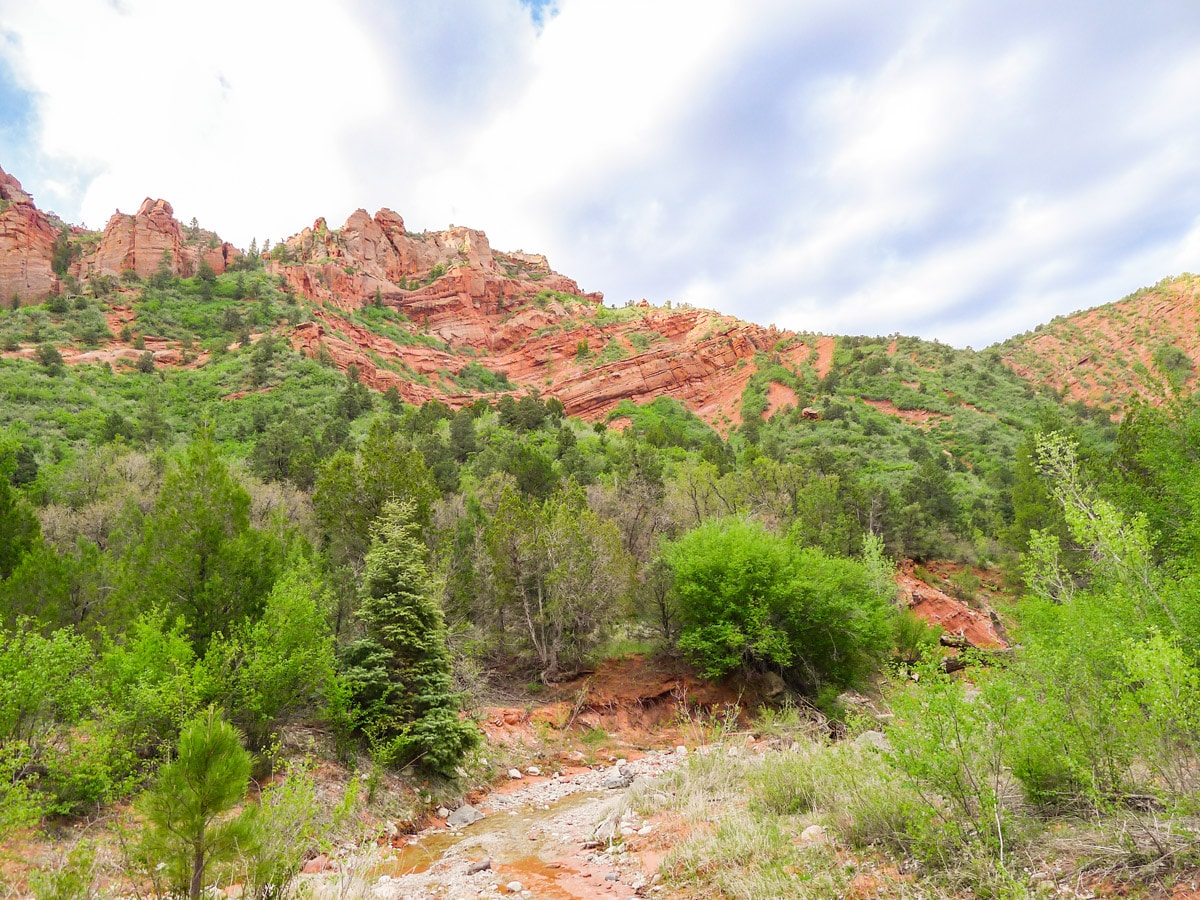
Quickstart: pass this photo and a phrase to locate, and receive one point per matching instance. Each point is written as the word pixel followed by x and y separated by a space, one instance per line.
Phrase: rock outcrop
pixel 26 245
pixel 464 303
pixel 137 242
pixel 513 314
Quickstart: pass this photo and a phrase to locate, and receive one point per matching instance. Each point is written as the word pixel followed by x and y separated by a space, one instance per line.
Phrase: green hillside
pixel 232 531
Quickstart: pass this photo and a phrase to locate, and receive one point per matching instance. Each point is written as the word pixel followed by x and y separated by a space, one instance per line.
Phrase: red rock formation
pixel 26 245
pixel 138 242
pixel 508 311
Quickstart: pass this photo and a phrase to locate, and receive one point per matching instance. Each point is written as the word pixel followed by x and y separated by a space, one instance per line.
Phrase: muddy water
pixel 512 839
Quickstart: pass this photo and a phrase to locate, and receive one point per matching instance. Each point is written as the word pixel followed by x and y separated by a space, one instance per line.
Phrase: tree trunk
pixel 197 885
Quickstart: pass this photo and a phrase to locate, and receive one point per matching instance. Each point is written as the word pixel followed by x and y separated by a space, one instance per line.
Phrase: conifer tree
pixel 400 673
pixel 185 811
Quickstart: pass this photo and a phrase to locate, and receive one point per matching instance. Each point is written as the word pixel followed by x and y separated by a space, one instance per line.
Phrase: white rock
pixel 681 750
pixel 514 887
pixel 533 770
pixel 814 834
pixel 515 774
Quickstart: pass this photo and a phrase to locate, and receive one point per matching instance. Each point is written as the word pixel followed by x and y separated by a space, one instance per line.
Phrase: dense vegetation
pixel 262 541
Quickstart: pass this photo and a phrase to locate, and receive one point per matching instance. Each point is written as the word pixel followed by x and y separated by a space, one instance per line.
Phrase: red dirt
pixel 778 396
pixel 825 345
pixel 921 418
pixel 939 608
pixel 640 701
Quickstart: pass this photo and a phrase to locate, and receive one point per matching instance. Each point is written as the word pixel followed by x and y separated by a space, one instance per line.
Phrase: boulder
pixel 463 816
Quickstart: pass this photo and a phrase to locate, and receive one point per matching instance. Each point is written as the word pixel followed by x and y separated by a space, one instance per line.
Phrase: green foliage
pixel 1174 363
pixel 200 558
pixel 280 665
pixel 352 488
pixel 476 377
pixel 399 674
pixel 72 878
pixel 148 684
pixel 954 752
pixel 291 825
pixel 749 599
pixel 187 811
pixel 665 422
pixel 558 570
pixel 19 528
pixel 45 688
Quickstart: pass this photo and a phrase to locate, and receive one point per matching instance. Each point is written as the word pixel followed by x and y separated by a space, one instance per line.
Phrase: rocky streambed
pixel 559 836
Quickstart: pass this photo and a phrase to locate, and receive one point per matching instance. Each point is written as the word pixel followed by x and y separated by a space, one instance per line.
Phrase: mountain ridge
pixel 454 302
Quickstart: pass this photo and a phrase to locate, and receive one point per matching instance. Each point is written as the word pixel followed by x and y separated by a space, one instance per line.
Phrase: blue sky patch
pixel 540 10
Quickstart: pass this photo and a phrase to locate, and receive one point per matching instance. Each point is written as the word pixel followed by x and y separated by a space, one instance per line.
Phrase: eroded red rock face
pixel 959 621
pixel 509 312
pixel 26 245
pixel 466 302
pixel 137 242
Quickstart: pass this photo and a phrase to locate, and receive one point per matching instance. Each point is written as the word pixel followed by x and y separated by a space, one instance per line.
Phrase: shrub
pixel 748 598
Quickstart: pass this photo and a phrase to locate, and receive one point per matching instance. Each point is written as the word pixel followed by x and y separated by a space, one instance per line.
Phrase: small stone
pixel 645 829
pixel 618 780
pixel 316 865
pixel 515 774
pixel 482 866
pixel 612 876
pixel 514 887
pixel 533 770
pixel 681 750
pixel 463 816
pixel 814 834
pixel 442 812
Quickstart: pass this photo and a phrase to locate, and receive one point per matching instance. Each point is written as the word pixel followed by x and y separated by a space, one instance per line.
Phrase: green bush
pixel 750 599
pixel 277 666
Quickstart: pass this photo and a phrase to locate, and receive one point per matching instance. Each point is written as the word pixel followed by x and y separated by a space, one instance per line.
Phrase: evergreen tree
pixel 400 673
pixel 19 528
pixel 462 435
pixel 185 810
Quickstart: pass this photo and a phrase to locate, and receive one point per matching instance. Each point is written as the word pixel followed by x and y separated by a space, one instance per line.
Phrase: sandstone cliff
pixel 513 314
pixel 26 245
pixel 140 242
pixel 463 303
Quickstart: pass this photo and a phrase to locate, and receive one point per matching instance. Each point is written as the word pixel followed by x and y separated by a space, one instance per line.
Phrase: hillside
pixel 408 309
pixel 1146 345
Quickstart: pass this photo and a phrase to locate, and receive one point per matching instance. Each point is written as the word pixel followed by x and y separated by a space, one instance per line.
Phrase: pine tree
pixel 400 672
pixel 185 811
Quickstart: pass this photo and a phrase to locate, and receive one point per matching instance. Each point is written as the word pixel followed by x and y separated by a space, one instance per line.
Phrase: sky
pixel 951 169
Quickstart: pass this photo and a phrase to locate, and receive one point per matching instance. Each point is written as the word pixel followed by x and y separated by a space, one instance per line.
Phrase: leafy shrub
pixel 749 599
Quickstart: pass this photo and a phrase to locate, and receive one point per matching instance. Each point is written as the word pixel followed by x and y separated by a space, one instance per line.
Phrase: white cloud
pixel 955 170
pixel 233 111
